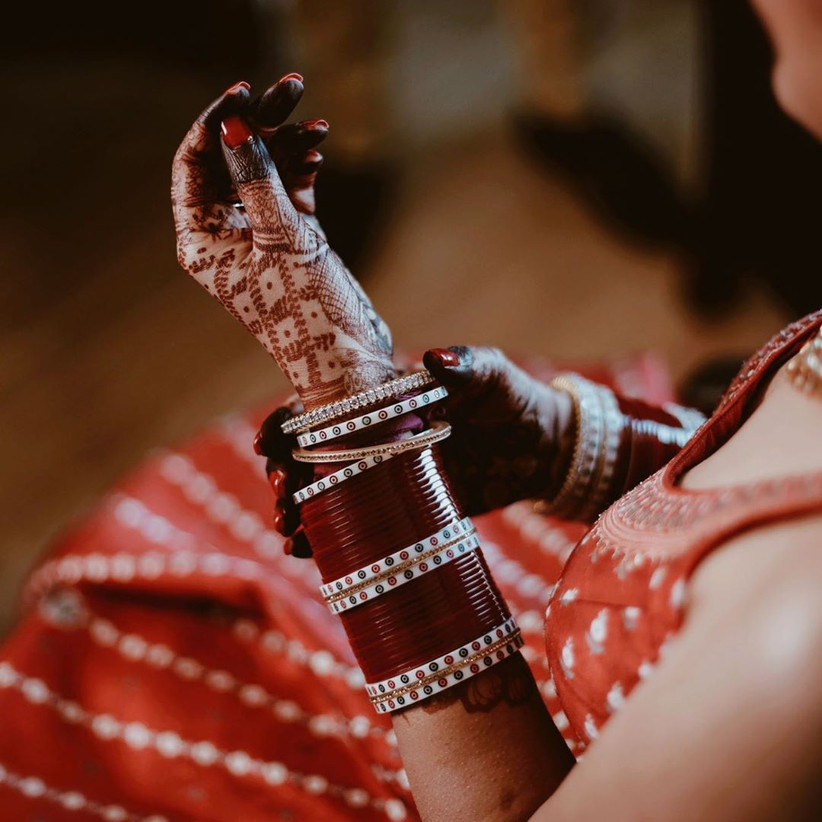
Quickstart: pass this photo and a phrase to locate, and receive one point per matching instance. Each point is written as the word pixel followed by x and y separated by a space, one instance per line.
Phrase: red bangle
pixel 379 512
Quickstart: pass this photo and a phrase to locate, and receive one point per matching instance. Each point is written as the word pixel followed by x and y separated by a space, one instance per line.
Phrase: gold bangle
pixel 439 431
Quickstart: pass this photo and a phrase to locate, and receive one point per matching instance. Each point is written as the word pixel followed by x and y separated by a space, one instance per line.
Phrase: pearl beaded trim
pixel 389 391
pixel 381 415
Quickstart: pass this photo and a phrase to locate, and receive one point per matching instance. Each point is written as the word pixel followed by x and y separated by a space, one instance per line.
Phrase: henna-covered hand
pixel 512 435
pixel 267 261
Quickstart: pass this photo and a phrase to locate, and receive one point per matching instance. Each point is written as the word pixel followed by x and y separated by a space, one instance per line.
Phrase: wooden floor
pixel 108 350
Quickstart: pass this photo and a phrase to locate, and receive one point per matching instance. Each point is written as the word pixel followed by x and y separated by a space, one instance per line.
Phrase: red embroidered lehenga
pixel 173 664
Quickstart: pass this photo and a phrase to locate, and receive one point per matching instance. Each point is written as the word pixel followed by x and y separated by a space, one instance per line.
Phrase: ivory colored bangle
pixel 590 440
pixel 439 430
pixel 436 666
pixel 476 663
pixel 388 391
pixel 376 417
pixel 388 564
pixel 412 568
pixel 332 480
pixel 614 425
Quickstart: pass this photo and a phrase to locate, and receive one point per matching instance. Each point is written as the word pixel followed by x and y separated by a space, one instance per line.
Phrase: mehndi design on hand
pixel 268 262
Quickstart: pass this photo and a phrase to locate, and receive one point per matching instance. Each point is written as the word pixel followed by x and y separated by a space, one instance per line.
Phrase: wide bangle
pixel 447 670
pixel 588 447
pixel 412 568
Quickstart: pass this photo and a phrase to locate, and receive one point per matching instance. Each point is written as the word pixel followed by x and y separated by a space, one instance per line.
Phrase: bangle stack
pixel 400 565
pixel 599 427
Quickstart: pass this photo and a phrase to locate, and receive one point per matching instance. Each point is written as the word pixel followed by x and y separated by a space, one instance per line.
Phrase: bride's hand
pixel 266 261
pixel 512 438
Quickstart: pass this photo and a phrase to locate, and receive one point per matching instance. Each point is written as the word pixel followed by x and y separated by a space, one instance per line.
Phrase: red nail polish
pixel 236 131
pixel 257 445
pixel 278 520
pixel 237 86
pixel 445 357
pixel 287 546
pixel 277 481
pixel 292 76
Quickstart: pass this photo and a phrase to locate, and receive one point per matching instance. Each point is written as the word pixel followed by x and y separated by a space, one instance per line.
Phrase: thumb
pixel 462 366
pixel 255 176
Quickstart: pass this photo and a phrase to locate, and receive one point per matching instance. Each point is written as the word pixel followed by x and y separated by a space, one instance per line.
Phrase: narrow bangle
pixel 376 417
pixel 375 570
pixel 412 568
pixel 439 430
pixel 338 477
pixel 388 391
pixel 590 438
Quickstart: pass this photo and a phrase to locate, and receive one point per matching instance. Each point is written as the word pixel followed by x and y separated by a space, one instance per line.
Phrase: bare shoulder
pixel 782 436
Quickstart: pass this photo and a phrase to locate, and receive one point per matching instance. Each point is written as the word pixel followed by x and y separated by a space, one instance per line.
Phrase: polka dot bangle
pixel 332 480
pixel 389 391
pixel 380 415
pixel 454 675
pixel 413 568
pixel 378 690
pixel 378 569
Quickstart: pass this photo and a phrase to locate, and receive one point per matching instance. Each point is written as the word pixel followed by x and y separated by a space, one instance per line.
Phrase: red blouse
pixel 624 589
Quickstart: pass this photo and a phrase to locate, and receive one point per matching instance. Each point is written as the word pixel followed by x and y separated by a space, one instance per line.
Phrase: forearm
pixel 485 747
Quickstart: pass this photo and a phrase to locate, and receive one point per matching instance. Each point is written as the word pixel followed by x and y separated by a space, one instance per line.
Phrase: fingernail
pixel 257 445
pixel 316 123
pixel 277 481
pixel 277 520
pixel 237 87
pixel 292 76
pixel 236 131
pixel 445 357
pixel 287 546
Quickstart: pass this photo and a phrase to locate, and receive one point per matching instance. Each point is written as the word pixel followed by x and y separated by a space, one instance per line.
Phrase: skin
pixel 730 725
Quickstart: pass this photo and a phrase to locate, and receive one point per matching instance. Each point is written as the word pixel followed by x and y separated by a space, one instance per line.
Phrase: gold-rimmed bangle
pixel 439 431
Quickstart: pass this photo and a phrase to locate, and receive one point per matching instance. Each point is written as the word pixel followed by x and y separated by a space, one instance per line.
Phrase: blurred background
pixel 561 178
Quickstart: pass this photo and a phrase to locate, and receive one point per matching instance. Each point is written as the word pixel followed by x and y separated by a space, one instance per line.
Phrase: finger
pixel 460 366
pixel 300 547
pixel 196 169
pixel 291 518
pixel 273 443
pixel 253 173
pixel 277 102
pixel 296 138
pixel 299 176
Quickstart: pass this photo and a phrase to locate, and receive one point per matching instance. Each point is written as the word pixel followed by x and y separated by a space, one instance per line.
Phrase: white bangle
pixel 377 569
pixel 335 479
pixel 450 669
pixel 340 429
pixel 439 430
pixel 388 391
pixel 413 568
